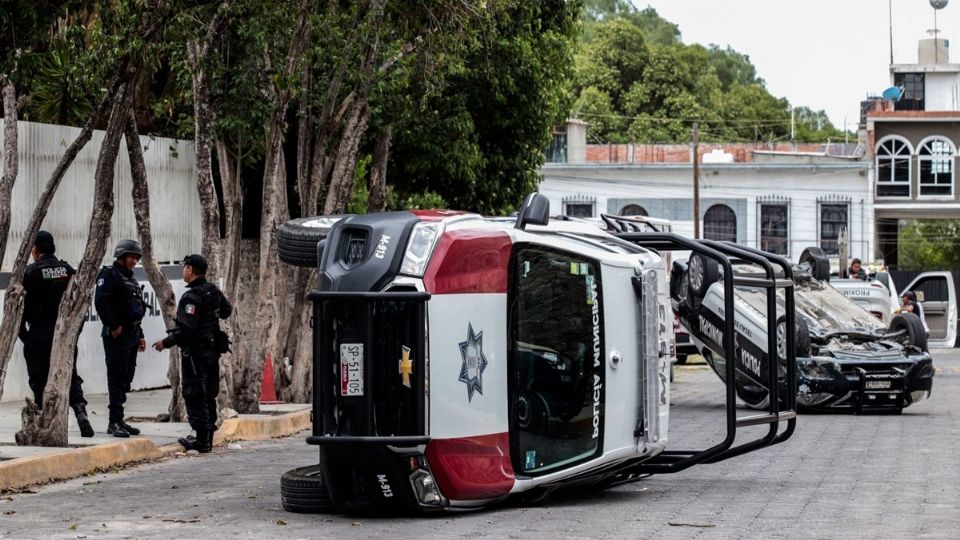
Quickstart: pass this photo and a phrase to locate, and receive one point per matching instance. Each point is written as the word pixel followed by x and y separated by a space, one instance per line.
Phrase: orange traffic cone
pixel 268 391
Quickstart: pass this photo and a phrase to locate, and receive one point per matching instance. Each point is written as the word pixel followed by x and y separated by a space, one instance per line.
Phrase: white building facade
pixel 779 203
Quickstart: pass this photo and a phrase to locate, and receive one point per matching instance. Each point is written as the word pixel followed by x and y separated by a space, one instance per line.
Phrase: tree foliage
pixel 930 245
pixel 635 80
pixel 479 142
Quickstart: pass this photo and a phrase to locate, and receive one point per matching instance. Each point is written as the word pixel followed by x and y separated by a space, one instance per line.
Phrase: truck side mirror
pixel 535 209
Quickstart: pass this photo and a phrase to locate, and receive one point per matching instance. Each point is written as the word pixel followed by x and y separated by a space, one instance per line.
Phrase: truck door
pixel 937 297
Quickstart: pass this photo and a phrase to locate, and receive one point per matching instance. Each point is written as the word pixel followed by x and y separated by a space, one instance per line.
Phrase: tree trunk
pixel 203 131
pixel 13 297
pixel 272 292
pixel 10 159
pixel 49 427
pixel 161 286
pixel 233 212
pixel 377 201
pixel 343 178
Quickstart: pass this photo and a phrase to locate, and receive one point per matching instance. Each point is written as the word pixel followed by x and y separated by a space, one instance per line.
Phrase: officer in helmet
pixel 44 283
pixel 201 342
pixel 120 306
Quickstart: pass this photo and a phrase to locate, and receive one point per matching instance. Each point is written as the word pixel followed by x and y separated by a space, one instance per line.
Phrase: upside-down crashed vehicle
pixel 847 358
pixel 460 361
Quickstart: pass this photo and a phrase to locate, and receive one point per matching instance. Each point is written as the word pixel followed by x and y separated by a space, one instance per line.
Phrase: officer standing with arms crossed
pixel 120 306
pixel 201 342
pixel 44 282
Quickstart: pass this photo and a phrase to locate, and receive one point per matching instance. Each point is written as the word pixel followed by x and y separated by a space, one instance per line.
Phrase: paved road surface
pixel 839 476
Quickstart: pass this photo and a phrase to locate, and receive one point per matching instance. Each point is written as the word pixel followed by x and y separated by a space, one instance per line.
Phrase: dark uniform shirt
pixel 198 315
pixel 862 274
pixel 119 300
pixel 917 308
pixel 44 282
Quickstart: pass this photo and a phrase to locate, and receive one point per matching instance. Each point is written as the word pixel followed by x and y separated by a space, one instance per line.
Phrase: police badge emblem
pixel 474 362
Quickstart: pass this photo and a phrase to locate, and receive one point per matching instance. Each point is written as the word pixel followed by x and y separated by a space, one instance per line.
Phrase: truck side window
pixel 556 359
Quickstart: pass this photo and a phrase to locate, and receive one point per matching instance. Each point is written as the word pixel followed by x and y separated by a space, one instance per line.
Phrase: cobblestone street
pixel 840 475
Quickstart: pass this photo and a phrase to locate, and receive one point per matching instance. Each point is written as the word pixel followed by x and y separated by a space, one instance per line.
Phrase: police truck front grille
pixel 386 397
pixel 353 247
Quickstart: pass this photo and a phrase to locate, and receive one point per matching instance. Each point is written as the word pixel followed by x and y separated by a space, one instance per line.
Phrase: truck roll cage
pixel 727 254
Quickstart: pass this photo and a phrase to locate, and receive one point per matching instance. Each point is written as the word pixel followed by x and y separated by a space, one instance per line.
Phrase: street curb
pixel 20 473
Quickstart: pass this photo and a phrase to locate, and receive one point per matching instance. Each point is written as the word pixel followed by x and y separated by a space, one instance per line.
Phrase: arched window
pixel 720 223
pixel 633 210
pixel 893 167
pixel 936 166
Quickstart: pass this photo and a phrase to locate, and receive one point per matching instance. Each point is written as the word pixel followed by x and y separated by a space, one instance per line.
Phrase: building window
pixel 557 151
pixel 720 223
pixel 633 210
pixel 578 210
pixel 913 92
pixel 773 228
pixel 936 166
pixel 893 167
pixel 833 218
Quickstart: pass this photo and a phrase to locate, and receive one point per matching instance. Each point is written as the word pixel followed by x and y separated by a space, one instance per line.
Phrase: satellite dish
pixel 938 4
pixel 894 93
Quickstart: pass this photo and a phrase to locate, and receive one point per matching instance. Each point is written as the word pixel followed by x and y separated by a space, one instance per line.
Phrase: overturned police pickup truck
pixel 460 361
pixel 846 358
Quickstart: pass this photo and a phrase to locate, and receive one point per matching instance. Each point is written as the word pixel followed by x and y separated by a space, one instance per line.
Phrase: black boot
pixel 117 430
pixel 200 443
pixel 80 411
pixel 130 429
pixel 193 438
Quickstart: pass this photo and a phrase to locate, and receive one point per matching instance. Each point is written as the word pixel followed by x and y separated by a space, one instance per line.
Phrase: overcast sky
pixel 825 54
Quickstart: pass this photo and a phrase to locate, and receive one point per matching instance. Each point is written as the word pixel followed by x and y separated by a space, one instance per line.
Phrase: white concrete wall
pixel 151 365
pixel 740 186
pixel 174 203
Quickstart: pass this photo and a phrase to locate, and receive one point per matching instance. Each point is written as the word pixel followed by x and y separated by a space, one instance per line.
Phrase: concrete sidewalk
pixel 22 466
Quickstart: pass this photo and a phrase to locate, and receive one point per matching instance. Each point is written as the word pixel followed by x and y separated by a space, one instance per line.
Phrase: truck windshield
pixel 556 359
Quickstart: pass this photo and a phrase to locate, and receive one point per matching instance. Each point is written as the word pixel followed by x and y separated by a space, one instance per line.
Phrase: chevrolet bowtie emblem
pixel 406 366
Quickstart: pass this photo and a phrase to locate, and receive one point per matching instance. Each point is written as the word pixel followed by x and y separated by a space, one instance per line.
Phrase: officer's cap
pixel 44 241
pixel 197 262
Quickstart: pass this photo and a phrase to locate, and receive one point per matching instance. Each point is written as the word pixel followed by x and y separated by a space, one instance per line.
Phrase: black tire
pixel 681 359
pixel 689 299
pixel 302 491
pixel 818 261
pixel 916 334
pixel 297 239
pixel 801 338
pixel 702 272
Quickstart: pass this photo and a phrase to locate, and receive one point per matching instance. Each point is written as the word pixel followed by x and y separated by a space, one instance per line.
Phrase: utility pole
pixel 696 181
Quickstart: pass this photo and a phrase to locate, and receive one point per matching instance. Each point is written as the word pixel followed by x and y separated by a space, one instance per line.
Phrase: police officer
pixel 44 282
pixel 120 306
pixel 201 342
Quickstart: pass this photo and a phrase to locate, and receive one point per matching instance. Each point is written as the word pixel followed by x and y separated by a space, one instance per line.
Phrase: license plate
pixel 878 385
pixel 351 369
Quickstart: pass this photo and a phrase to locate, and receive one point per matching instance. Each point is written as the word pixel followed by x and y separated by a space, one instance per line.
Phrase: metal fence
pixel 174 203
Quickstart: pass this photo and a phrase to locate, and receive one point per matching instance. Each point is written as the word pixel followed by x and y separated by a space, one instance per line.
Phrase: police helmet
pixel 128 247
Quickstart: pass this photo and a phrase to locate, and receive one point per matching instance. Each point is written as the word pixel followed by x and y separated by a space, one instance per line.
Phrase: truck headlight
pixel 425 487
pixel 817 370
pixel 419 248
